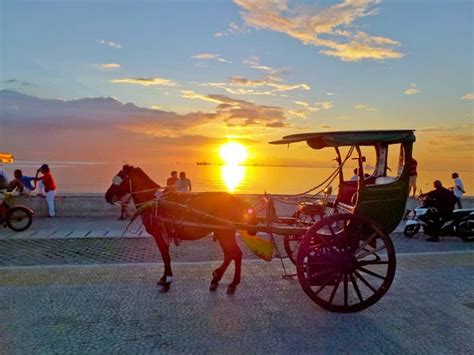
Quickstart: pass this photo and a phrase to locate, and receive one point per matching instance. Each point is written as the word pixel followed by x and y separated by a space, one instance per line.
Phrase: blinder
pixel 117 180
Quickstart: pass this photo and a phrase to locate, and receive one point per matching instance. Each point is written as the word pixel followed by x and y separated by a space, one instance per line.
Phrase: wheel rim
pixel 19 219
pixel 291 246
pixel 345 263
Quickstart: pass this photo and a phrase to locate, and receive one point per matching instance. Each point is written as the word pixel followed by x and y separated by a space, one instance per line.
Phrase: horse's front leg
pixel 167 278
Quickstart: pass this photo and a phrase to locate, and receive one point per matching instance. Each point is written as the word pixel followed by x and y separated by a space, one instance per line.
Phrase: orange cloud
pixel 211 56
pixel 364 107
pixel 110 66
pixel 241 113
pixel 412 90
pixel 238 85
pixel 145 81
pixel 329 28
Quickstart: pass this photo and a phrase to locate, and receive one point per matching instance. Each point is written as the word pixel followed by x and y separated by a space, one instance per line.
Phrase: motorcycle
pixel 426 218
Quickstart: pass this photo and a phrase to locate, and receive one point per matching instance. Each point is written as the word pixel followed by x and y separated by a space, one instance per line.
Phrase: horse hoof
pixel 161 283
pixel 231 290
pixel 164 289
pixel 213 287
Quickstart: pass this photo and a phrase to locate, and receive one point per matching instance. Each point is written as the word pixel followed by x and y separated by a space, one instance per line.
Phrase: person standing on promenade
pixel 458 189
pixel 172 179
pixel 183 184
pixel 413 176
pixel 49 186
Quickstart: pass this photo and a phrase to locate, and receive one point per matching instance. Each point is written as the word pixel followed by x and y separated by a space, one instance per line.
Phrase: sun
pixel 233 153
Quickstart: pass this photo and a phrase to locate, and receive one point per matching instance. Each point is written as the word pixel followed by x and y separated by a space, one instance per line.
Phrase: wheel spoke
pixel 366 242
pixel 373 251
pixel 346 289
pixel 325 282
pixel 372 262
pixel 367 271
pixel 332 230
pixel 356 288
pixel 334 290
pixel 366 283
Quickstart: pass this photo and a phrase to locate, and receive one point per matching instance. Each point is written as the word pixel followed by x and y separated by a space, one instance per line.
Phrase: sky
pixel 174 80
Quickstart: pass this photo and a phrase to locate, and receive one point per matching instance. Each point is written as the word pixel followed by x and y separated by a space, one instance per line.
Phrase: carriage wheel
pixel 291 242
pixel 345 263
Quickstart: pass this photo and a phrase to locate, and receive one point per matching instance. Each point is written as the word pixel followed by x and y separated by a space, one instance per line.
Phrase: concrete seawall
pixel 94 205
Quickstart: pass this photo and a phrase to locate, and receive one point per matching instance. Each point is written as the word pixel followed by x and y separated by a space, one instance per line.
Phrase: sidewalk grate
pixel 103 251
pixel 469 305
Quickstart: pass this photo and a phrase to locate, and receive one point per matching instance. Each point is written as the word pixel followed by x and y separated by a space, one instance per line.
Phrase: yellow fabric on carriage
pixel 260 247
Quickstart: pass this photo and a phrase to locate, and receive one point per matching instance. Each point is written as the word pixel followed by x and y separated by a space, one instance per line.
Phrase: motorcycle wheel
pixel 19 218
pixel 411 230
pixel 465 230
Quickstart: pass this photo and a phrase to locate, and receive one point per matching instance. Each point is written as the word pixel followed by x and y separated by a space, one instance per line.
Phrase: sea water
pixel 94 177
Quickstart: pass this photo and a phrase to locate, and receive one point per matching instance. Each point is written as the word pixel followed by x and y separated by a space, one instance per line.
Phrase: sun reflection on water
pixel 233 176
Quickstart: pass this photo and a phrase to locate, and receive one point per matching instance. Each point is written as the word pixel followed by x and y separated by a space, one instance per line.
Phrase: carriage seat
pixel 382 180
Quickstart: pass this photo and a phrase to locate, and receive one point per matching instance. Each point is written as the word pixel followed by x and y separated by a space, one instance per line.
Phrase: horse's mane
pixel 145 179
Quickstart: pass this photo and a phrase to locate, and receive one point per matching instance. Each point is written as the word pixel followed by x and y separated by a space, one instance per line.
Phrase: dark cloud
pixel 18 82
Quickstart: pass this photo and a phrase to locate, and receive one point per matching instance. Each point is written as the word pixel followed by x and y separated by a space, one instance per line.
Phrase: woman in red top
pixel 49 186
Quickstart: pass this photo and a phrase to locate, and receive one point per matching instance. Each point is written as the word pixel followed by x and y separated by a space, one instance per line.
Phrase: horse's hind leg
pixel 219 272
pixel 237 257
pixel 231 252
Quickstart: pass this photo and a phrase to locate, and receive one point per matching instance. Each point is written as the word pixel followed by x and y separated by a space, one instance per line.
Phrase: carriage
pixel 345 260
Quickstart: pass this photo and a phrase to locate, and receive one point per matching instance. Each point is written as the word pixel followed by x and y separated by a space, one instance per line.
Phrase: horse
pixel 142 188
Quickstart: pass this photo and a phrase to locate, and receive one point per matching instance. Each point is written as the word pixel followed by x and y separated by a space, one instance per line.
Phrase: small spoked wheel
pixel 291 246
pixel 19 218
pixel 291 241
pixel 345 263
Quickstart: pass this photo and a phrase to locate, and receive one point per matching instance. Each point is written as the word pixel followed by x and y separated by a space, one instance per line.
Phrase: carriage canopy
pixel 6 158
pixel 321 140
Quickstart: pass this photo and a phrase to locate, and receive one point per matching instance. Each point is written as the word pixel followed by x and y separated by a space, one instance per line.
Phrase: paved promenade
pixel 92 291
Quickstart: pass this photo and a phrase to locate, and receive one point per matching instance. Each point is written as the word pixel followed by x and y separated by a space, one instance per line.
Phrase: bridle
pixel 117 180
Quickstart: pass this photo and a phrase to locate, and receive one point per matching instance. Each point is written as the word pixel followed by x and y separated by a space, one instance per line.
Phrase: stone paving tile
pixel 103 309
pixel 83 250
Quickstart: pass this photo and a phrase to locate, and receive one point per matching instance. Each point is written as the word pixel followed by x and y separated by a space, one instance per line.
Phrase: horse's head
pixel 120 185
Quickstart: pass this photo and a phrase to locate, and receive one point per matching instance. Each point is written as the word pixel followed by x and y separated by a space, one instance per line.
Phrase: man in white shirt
pixel 458 189
pixel 183 184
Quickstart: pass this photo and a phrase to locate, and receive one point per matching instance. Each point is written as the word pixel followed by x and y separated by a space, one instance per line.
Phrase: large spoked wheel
pixel 19 218
pixel 345 263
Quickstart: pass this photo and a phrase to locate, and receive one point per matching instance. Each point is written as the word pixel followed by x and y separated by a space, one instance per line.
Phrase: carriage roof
pixel 319 140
